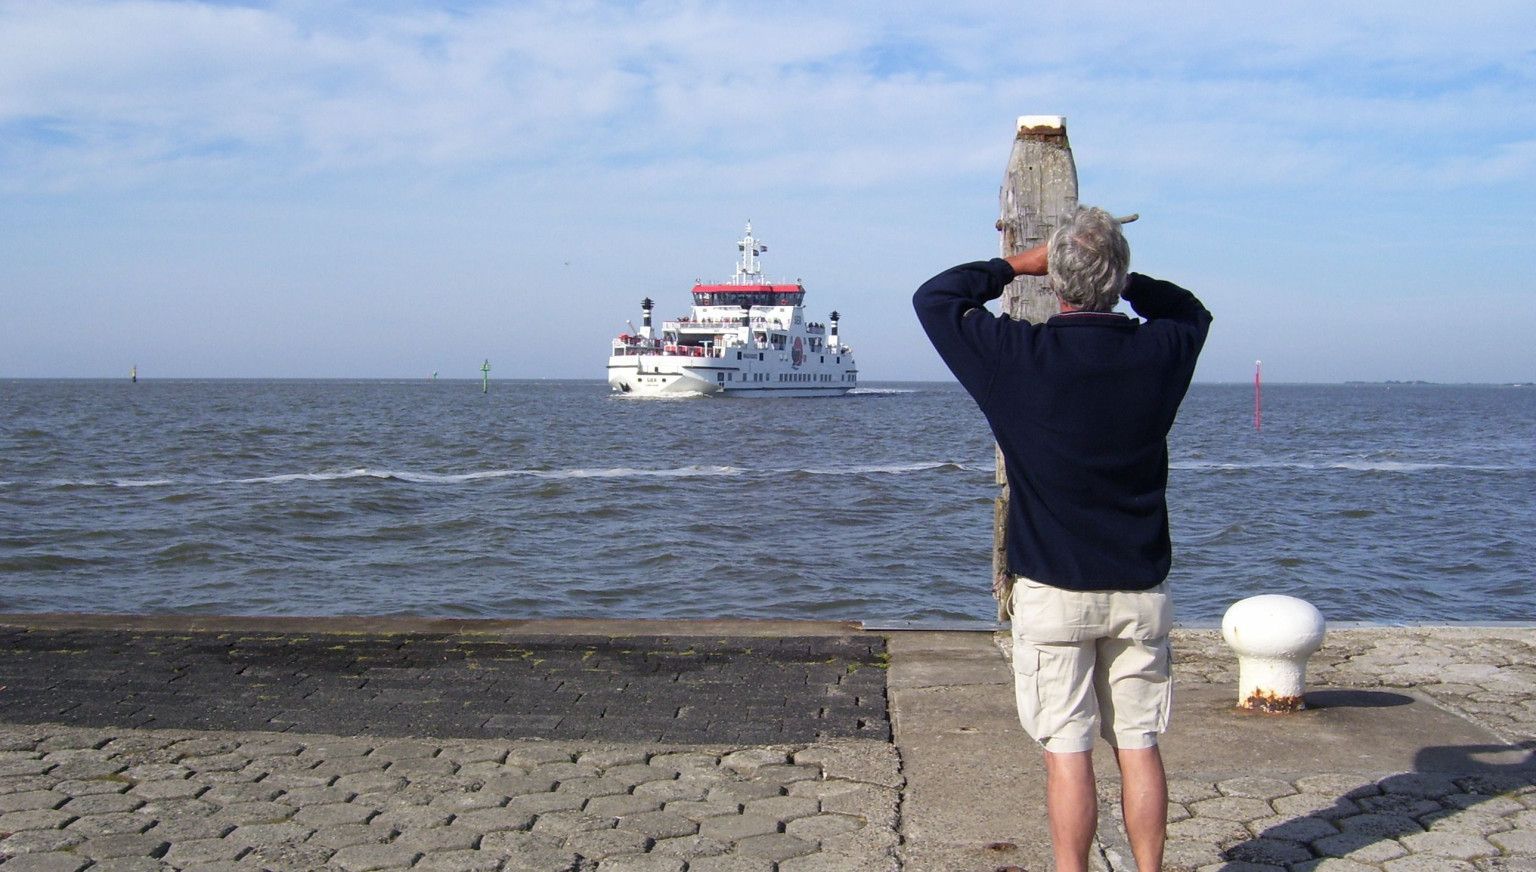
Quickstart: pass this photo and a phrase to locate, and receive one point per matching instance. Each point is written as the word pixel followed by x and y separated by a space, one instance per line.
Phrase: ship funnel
pixel 645 317
pixel 832 342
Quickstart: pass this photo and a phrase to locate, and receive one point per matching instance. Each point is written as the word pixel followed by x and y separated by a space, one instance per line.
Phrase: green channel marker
pixel 485 376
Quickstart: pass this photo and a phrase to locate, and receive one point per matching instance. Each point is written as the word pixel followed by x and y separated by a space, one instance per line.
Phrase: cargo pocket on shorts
pixel 1026 686
pixel 1165 714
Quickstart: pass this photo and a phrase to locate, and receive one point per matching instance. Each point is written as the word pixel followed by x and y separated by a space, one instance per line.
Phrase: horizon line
pixel 596 380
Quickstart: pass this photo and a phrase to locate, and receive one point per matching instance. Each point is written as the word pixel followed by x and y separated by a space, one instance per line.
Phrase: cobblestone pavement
pixel 1484 819
pixel 102 799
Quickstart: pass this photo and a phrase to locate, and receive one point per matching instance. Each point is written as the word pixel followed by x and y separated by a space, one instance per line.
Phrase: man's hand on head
pixel 1028 263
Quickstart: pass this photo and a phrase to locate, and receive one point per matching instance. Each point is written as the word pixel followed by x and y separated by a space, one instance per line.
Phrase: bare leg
pixel 1144 801
pixel 1073 805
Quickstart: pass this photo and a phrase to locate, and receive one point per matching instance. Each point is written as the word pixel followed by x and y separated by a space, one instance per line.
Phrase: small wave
pixel 481 475
pixel 402 475
pixel 1351 465
pixel 414 477
pixel 397 475
pixel 1219 536
pixel 884 469
pixel 630 472
pixel 45 562
pixel 681 395
pixel 111 482
pixel 387 474
pixel 1405 466
pixel 876 392
pixel 307 476
pixel 449 478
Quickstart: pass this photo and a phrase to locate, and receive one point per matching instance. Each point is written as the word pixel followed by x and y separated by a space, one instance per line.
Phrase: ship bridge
pixel 747 296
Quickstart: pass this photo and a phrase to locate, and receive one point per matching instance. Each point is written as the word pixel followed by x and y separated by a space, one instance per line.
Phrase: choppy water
pixel 542 499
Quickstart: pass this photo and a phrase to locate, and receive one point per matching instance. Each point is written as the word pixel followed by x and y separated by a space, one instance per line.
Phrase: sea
pixel 1381 503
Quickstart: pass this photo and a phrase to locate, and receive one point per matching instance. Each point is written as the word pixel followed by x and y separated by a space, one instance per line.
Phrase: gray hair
pixel 1089 258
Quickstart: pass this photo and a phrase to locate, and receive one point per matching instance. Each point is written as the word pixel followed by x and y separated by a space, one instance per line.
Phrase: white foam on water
pixel 879 391
pixel 306 476
pixel 414 477
pixel 481 475
pixel 453 478
pixel 883 469
pixel 631 472
pixel 1351 465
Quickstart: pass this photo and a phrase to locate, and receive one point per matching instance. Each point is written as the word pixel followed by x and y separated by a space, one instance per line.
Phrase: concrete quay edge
pixel 343 624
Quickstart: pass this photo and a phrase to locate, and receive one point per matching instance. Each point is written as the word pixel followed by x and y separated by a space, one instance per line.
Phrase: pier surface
pixel 606 746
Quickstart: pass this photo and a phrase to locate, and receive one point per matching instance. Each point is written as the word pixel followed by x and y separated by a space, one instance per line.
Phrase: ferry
pixel 746 337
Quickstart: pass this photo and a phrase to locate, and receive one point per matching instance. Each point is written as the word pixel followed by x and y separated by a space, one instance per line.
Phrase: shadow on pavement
pixel 1445 809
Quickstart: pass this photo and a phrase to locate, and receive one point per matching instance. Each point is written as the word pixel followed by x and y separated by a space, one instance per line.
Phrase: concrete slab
pixel 1344 730
pixel 975 787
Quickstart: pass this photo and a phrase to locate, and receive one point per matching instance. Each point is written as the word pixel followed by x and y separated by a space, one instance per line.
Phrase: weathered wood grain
pixel 1039 189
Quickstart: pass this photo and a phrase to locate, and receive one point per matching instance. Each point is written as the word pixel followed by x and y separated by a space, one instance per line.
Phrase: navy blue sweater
pixel 1081 407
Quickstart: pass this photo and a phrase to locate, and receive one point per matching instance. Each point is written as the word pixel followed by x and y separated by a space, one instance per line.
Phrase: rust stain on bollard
pixel 1268 701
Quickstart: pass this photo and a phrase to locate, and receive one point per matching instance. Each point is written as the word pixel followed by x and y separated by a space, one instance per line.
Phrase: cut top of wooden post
pixel 1043 127
pixel 1039 190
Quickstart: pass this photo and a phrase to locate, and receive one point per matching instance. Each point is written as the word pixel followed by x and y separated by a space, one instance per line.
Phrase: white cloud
pixel 119 93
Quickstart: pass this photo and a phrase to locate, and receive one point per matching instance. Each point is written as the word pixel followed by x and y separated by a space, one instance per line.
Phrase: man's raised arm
pixel 1153 299
pixel 951 306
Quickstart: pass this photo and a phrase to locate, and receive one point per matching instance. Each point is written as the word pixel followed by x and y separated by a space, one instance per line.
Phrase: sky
pixel 389 189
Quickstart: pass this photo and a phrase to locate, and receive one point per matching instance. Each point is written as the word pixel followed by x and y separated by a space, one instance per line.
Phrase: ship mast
pixel 748 270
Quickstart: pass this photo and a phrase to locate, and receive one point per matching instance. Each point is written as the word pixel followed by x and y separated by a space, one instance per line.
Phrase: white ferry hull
pixel 666 376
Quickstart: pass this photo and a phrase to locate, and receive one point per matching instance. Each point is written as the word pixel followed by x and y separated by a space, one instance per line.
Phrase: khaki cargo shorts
pixel 1087 662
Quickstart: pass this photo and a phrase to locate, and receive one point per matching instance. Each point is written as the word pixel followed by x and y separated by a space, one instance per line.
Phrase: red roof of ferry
pixel 748 289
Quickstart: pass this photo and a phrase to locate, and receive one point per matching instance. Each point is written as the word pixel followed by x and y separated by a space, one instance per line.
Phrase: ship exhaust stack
pixel 832 342
pixel 645 318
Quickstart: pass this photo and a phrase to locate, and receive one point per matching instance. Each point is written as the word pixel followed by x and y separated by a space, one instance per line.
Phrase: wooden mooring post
pixel 1039 189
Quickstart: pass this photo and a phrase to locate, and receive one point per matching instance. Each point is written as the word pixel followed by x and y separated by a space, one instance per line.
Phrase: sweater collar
pixel 1080 318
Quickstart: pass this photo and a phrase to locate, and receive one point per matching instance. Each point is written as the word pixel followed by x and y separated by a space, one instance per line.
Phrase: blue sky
pixel 385 189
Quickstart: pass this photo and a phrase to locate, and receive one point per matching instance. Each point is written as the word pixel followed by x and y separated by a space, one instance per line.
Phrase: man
pixel 1081 406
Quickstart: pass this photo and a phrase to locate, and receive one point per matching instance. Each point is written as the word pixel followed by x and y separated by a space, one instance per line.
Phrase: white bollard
pixel 1273 636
